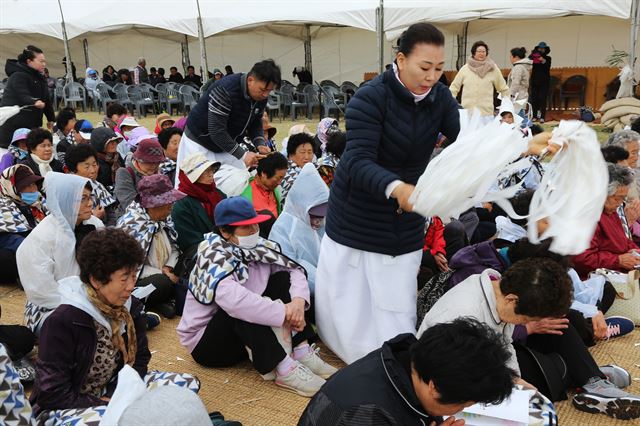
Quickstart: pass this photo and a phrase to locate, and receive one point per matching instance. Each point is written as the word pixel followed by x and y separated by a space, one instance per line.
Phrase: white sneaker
pixel 313 361
pixel 284 338
pixel 301 380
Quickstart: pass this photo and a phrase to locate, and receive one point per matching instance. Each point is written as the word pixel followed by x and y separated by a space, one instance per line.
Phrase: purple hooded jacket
pixel 68 342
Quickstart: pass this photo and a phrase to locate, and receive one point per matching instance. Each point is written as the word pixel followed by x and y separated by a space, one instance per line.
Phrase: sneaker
pixel 301 380
pixel 616 375
pixel 153 320
pixel 618 326
pixel 314 363
pixel 602 396
pixel 167 309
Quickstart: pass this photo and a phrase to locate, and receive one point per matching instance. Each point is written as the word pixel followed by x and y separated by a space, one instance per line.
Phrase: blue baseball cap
pixel 237 211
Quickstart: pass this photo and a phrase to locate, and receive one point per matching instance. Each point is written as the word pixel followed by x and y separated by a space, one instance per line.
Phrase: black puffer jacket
pixel 25 87
pixel 389 137
pixel 375 390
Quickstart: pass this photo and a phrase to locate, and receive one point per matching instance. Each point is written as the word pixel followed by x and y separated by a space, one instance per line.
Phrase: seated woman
pixel 47 255
pixel 299 153
pixel 98 328
pixel 530 290
pixel 163 121
pixel 610 247
pixel 300 227
pixel 22 207
pixel 146 162
pixel 245 295
pixel 169 138
pixel 63 138
pixel 326 127
pixel 147 219
pixel 105 141
pixel 193 215
pixel 40 159
pixel 336 143
pixel 264 190
pixel 17 149
pixel 82 160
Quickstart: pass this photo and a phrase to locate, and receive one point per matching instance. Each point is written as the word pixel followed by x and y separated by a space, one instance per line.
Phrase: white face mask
pixel 248 242
pixel 127 134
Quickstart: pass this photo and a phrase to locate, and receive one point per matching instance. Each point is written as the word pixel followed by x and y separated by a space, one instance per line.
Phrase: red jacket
pixel 608 242
pixel 434 240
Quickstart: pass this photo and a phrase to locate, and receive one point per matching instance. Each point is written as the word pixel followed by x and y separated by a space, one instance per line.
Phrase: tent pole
pixel 85 47
pixel 635 24
pixel 186 60
pixel 204 67
pixel 308 63
pixel 380 35
pixel 462 46
pixel 68 65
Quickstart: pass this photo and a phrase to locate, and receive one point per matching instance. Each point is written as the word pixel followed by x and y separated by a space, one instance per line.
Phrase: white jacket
pixel 293 231
pixel 478 92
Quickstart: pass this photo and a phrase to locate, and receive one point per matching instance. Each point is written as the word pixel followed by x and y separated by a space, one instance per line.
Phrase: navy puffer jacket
pixel 389 137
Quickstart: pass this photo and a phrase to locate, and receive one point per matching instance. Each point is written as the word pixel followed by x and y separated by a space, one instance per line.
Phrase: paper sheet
pixel 512 412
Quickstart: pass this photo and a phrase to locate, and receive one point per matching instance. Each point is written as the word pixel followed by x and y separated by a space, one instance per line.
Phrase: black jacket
pixel 389 137
pixel 375 390
pixel 224 114
pixel 56 165
pixel 25 87
pixel 541 73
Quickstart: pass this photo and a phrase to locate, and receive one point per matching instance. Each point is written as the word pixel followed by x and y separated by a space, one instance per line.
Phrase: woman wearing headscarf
pixel 47 255
pixel 148 220
pixel 246 296
pixel 17 149
pixel 300 227
pixel 97 330
pixel 40 159
pixel 91 81
pixel 26 86
pixel 326 126
pixel 479 77
pixel 22 207
pixel 193 215
pixel 327 165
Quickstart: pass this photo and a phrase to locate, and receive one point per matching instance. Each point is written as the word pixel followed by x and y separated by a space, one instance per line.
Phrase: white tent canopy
pixel 344 47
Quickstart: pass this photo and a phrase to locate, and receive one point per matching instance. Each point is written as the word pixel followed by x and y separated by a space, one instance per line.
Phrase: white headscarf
pixel 64 195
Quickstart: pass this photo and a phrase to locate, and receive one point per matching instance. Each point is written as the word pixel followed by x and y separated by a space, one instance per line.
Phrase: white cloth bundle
pixel 572 192
pixel 626 83
pixel 463 174
pixel 7 112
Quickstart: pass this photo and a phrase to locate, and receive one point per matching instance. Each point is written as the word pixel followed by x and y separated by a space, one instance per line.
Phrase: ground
pixel 241 394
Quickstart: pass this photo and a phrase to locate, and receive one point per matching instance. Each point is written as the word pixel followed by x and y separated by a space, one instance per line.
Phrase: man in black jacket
pixel 227 113
pixel 416 382
pixel 26 86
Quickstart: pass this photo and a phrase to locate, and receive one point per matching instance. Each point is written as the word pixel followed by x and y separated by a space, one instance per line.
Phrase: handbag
pixel 627 301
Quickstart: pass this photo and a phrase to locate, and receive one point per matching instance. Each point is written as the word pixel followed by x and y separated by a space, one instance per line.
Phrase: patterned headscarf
pixel 323 130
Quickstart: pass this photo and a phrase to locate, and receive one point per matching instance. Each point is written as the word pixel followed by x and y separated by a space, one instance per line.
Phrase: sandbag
pixel 618 127
pixel 620 111
pixel 619 102
pixel 611 123
pixel 628 119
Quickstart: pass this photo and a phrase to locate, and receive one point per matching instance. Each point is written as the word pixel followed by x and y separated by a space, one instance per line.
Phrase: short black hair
pixel 477 44
pixel 474 368
pixel 152 69
pixel 106 251
pixel 116 109
pixel 296 140
pixel 29 54
pixel 518 52
pixel 36 137
pixel 161 71
pixel 272 162
pixel 419 33
pixel 192 67
pixel 165 135
pixel 64 116
pixel 614 154
pixel 267 71
pixel 525 249
pixel 542 285
pixel 336 143
pixel 173 68
pixel 521 203
pixel 228 69
pixel 124 71
pixel 635 125
pixel 77 154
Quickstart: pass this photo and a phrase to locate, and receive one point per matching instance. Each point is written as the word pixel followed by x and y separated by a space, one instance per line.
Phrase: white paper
pixel 513 411
pixel 130 387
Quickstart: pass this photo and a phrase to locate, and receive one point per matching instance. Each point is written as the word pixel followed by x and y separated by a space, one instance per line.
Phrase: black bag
pixel 547 372
pixel 186 263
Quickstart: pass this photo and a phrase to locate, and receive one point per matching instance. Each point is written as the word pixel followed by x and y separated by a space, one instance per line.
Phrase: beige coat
pixel 478 92
pixel 518 80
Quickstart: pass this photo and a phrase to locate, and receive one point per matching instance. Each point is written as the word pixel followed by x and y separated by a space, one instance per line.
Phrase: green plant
pixel 617 58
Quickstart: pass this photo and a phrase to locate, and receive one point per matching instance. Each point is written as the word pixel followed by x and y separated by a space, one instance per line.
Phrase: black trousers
pixel 164 292
pixel 17 339
pixel 455 238
pixel 539 95
pixel 583 325
pixel 224 340
pixel 8 267
pixel 580 364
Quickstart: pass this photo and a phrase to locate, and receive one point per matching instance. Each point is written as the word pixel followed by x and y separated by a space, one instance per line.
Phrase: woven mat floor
pixel 241 394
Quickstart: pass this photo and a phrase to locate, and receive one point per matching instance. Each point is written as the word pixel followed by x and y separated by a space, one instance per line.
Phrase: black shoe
pixel 167 309
pixel 153 320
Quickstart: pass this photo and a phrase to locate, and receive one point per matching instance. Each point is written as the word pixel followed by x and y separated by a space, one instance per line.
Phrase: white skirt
pixel 363 299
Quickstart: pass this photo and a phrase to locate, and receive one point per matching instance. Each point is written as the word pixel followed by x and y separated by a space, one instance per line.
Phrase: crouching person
pixel 245 296
pixel 98 328
pixel 416 382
